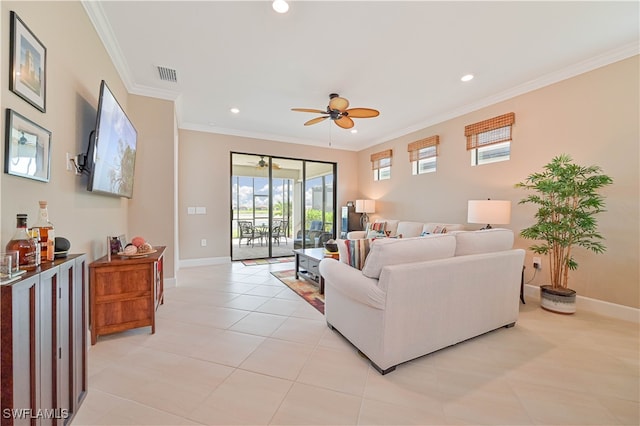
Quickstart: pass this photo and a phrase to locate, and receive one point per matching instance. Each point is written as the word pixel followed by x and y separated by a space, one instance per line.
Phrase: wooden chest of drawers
pixel 124 293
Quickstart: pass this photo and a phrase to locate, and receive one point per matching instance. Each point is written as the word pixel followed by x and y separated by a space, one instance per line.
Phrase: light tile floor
pixel 233 345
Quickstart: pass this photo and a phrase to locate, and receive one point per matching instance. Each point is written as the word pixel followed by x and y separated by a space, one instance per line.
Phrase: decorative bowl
pixel 331 247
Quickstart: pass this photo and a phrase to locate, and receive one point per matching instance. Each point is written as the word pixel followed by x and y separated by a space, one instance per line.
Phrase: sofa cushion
pixel 391 251
pixel 483 241
pixel 354 252
pixel 409 229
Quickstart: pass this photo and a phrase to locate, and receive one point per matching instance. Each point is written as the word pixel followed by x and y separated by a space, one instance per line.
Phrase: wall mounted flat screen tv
pixel 112 161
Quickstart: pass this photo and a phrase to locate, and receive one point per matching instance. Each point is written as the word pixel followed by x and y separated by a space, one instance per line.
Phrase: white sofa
pixel 408 229
pixel 418 295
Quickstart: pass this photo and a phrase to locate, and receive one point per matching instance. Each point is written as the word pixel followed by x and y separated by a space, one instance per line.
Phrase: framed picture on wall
pixel 27 148
pixel 28 64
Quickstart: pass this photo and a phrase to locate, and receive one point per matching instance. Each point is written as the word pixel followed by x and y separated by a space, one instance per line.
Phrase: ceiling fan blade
pixel 338 103
pixel 315 120
pixel 317 111
pixel 344 122
pixel 363 112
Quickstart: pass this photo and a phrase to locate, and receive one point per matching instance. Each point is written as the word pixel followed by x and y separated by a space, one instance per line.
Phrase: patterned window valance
pixel 381 159
pixel 417 149
pixel 489 132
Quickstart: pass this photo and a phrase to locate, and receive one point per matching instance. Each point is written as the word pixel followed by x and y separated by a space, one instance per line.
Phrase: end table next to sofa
pixel 307 261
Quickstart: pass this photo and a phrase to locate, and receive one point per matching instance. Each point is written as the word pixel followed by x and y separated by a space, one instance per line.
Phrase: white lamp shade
pixel 489 211
pixel 365 206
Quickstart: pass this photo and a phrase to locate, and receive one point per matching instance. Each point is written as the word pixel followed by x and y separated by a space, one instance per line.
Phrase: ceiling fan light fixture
pixel 337 103
pixel 337 111
pixel 280 6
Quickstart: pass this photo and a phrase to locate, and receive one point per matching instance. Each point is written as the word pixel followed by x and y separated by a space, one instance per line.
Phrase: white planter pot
pixel 559 300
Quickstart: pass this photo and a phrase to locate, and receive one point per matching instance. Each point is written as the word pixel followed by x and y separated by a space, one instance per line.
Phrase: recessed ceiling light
pixel 280 6
pixel 234 110
pixel 354 131
pixel 467 77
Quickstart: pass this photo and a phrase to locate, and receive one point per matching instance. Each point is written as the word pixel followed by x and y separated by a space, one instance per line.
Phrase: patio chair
pixel 314 231
pixel 248 232
pixel 279 231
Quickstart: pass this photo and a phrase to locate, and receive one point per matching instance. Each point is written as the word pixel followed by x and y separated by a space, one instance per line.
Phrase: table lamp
pixel 489 211
pixel 364 207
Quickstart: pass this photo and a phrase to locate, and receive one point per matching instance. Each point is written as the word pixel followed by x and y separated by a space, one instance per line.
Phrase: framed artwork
pixel 117 244
pixel 28 64
pixel 27 149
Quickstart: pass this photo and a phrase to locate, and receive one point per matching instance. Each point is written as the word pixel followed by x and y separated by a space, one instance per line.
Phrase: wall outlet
pixel 537 263
pixel 203 242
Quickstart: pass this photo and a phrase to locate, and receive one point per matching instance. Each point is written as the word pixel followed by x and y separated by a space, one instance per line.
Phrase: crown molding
pixel 607 58
pixel 105 33
pixel 263 136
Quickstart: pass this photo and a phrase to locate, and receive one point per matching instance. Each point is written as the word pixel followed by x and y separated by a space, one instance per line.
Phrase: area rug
pixel 303 288
pixel 266 261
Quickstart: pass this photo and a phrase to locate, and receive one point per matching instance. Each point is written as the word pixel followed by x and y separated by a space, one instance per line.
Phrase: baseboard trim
pixel 600 307
pixel 208 261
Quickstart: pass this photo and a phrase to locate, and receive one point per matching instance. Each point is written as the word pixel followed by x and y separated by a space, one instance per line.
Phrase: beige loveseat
pixel 417 295
pixel 408 229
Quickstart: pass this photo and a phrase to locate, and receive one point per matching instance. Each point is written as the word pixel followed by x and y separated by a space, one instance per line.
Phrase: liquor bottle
pixel 23 244
pixel 47 235
pixel 35 235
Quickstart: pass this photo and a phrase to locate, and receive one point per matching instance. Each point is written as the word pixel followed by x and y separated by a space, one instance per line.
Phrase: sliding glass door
pixel 279 204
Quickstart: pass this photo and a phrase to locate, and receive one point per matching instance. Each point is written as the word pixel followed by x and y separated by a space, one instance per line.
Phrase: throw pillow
pixel 440 230
pixel 377 226
pixel 375 234
pixel 356 252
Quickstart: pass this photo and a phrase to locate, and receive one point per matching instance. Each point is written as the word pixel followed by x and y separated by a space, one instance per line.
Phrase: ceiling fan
pixel 338 112
pixel 263 163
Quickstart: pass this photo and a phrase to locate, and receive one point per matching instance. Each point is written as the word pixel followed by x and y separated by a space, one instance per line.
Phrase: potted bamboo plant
pixel 567 198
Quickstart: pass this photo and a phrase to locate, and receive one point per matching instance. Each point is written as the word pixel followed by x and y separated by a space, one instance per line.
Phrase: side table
pixel 307 262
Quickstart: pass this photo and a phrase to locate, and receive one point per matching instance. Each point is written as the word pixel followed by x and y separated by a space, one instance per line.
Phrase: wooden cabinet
pixel 43 326
pixel 124 293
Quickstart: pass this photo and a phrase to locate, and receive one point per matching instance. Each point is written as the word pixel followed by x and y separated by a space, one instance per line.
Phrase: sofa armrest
pixel 356 235
pixel 350 282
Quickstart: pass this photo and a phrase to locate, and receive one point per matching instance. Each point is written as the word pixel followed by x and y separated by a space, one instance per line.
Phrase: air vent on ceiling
pixel 167 74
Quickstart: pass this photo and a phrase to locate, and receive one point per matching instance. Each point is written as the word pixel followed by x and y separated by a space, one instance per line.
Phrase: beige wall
pixel 204 181
pixel 593 117
pixel 151 210
pixel 76 63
